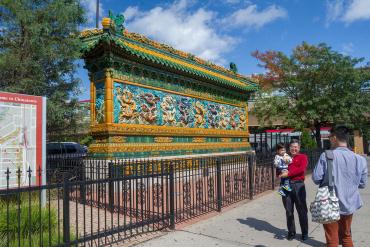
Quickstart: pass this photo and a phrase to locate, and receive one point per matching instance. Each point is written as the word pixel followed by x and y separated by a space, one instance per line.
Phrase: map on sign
pixel 17 142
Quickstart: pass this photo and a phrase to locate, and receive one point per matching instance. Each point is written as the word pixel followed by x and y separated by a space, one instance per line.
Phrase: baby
pixel 281 162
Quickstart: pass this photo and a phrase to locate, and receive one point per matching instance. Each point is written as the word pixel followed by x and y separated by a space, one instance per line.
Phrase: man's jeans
pixel 339 230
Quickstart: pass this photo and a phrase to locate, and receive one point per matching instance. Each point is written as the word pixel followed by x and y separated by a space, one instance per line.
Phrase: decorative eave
pixel 164 55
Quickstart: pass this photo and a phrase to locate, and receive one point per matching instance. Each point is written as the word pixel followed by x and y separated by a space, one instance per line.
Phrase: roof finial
pixel 233 68
pixel 118 20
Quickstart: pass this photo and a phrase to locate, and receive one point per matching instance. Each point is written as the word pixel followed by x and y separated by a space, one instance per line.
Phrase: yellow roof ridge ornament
pixel 113 23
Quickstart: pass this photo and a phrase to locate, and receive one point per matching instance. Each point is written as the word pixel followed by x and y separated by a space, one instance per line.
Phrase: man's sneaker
pixel 304 237
pixel 281 192
pixel 290 236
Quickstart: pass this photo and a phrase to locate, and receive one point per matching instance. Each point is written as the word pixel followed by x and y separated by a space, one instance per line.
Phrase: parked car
pixel 64 159
pixel 85 148
pixel 65 148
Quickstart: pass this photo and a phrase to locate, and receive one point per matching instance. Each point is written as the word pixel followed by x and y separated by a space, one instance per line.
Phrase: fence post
pixel 110 187
pixel 172 197
pixel 250 160
pixel 219 187
pixel 66 230
pixel 83 181
pixel 273 176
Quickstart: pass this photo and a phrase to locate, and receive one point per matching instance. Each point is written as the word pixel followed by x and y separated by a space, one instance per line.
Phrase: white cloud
pixel 188 30
pixel 232 1
pixel 358 10
pixel 90 8
pixel 347 48
pixel 334 10
pixel 347 11
pixel 250 17
pixel 131 12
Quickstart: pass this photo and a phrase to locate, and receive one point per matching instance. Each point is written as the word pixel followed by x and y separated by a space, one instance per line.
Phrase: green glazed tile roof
pixel 166 56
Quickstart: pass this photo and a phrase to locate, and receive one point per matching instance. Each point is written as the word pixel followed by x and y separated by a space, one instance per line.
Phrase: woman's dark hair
pixel 294 141
pixel 341 133
pixel 280 146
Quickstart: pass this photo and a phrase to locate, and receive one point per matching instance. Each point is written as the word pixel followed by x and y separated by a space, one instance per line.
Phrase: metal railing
pixel 266 142
pixel 96 202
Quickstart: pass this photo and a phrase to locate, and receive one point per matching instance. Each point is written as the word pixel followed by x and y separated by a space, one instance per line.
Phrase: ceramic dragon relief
pixel 138 105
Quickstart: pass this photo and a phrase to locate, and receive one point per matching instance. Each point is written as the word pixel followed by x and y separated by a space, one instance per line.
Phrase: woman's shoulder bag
pixel 325 208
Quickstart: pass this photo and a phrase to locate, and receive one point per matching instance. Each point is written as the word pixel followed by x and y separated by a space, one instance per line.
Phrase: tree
pixel 313 87
pixel 307 141
pixel 39 45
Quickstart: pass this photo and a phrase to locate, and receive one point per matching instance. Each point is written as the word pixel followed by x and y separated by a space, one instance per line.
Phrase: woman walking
pixel 297 196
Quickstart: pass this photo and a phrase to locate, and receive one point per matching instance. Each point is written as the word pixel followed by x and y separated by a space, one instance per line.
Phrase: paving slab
pixel 260 223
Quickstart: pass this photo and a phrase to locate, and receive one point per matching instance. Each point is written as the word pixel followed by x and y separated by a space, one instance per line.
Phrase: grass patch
pixel 27 223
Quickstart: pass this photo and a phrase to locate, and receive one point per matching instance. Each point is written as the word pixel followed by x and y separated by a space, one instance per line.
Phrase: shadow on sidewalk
pixel 280 234
pixel 261 225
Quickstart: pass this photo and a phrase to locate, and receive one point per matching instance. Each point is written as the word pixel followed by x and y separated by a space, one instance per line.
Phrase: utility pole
pixel 97 13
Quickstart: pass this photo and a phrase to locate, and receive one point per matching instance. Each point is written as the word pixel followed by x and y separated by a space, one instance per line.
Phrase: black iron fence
pixel 99 202
pixel 266 142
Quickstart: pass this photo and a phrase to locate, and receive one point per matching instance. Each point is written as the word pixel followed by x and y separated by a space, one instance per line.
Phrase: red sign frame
pixel 40 141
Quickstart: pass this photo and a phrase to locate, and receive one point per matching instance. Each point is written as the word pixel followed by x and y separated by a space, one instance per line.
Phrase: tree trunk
pixel 318 135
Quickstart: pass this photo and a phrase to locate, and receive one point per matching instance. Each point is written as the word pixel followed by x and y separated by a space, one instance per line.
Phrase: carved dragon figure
pixel 199 114
pixel 212 116
pixel 118 21
pixel 233 68
pixel 128 104
pixel 149 108
pixel 233 121
pixel 168 109
pixel 184 107
pixel 99 106
pixel 224 120
pixel 237 120
pixel 242 121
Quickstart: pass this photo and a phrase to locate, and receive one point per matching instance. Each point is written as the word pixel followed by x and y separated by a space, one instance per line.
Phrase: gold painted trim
pixel 174 60
pixel 199 139
pixel 246 118
pixel 144 130
pixel 163 139
pixel 92 102
pixel 174 92
pixel 150 147
pixel 108 99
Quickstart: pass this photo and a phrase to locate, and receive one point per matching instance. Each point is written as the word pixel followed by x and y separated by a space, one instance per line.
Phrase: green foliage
pixel 32 225
pixel 87 140
pixel 32 222
pixel 35 240
pixel 307 141
pixel 313 87
pixel 39 45
pixel 26 227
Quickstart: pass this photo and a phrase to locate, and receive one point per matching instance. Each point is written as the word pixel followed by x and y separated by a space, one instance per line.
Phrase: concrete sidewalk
pixel 260 223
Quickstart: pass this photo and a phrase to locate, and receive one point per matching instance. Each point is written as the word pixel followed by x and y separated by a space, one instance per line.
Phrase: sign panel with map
pixel 22 139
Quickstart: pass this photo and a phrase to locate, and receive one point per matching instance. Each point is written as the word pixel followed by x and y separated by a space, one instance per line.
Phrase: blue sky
pixel 229 30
